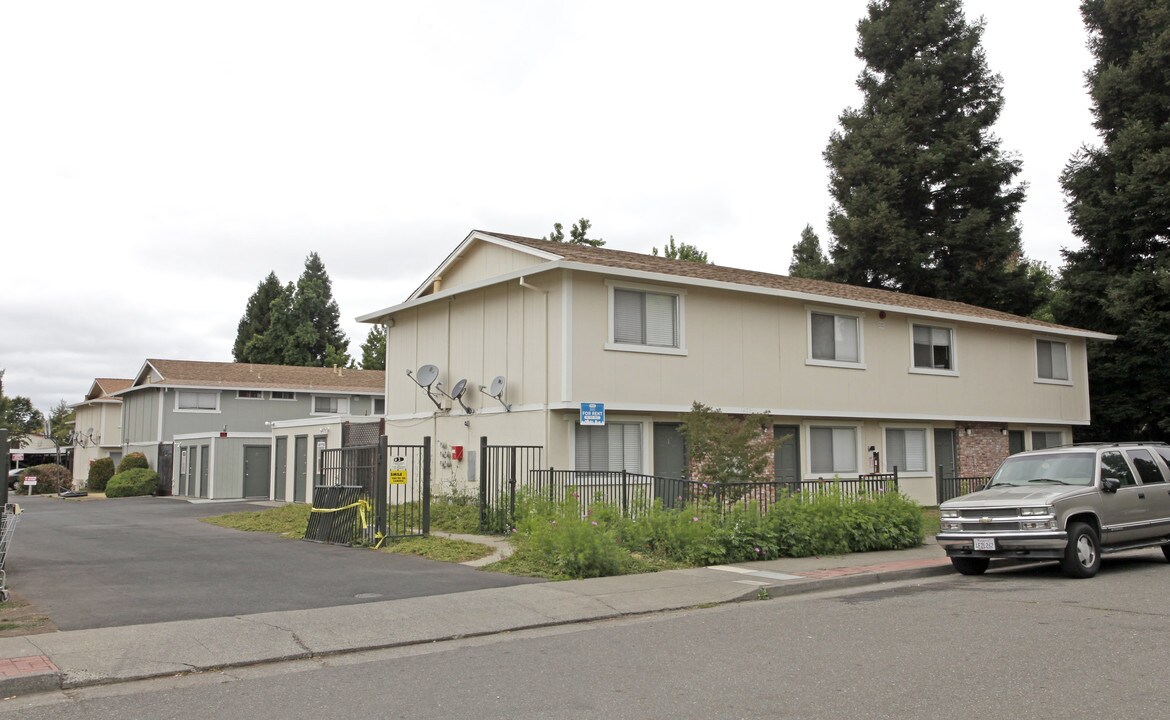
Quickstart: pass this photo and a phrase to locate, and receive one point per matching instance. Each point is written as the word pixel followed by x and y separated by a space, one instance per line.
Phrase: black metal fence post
pixel 625 493
pixel 380 487
pixel 426 487
pixel 511 486
pixel 483 476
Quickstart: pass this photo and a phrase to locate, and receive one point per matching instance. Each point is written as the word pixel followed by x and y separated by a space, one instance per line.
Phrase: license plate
pixel 984 543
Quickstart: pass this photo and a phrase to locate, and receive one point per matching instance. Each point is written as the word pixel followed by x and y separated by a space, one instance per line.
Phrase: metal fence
pixel 953 487
pixel 395 483
pixel 634 493
pixel 502 469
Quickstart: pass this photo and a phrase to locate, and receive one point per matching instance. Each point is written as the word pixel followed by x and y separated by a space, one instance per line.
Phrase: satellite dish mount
pixel 425 378
pixel 456 394
pixel 497 391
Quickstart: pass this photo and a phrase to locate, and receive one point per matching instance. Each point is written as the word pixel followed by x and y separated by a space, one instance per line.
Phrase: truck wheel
pixel 1082 555
pixel 971 565
pixel 1166 551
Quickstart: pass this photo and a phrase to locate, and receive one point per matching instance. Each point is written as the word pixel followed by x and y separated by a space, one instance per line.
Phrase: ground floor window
pixel 906 449
pixel 1046 438
pixel 833 449
pixel 614 446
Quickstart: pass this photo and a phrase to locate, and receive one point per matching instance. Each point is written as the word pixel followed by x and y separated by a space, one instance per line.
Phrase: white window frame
pixel 953 371
pixel 1037 339
pixel 259 395
pixel 927 450
pixel 857 462
pixel 180 393
pixel 342 405
pixel 680 318
pixel 835 312
pixel 284 399
pixel 642 440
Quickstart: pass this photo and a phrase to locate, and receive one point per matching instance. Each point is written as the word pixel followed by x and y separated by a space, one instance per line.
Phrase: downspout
pixel 547 410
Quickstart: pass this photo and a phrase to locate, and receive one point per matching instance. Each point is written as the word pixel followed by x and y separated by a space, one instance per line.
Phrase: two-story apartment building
pixel 206 426
pixel 854 379
pixel 97 426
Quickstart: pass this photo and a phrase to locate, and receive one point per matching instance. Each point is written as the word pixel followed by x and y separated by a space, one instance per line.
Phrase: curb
pixel 25 675
pixel 34 682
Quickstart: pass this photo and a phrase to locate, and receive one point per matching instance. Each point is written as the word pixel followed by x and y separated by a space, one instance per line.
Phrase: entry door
pixel 670 451
pixel 300 464
pixel 204 470
pixel 944 453
pixel 787 459
pixel 281 491
pixel 184 470
pixel 256 466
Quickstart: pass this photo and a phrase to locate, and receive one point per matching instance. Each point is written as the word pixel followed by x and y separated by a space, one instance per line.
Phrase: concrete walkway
pixel 62 660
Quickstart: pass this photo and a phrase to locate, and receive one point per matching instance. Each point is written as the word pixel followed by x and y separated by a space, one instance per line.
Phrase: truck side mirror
pixel 1109 484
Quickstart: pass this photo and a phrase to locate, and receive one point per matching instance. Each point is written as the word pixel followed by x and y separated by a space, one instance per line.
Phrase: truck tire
pixel 1082 555
pixel 970 565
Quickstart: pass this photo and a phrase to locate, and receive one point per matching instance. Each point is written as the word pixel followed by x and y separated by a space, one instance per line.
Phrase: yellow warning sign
pixel 398 475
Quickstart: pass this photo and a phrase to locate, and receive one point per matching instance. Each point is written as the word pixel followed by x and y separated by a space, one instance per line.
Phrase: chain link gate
pixel 378 490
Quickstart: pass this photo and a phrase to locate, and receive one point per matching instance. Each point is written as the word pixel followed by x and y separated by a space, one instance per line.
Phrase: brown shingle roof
pixel 192 373
pixel 109 386
pixel 607 257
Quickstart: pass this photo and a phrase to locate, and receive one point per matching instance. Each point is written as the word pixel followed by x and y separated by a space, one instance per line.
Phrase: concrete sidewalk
pixel 62 660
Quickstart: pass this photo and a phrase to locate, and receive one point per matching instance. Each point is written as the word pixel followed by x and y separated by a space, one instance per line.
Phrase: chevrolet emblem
pixel 984 520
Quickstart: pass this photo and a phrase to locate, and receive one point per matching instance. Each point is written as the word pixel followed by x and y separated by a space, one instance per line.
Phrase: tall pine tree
pixel 924 200
pixel 374 349
pixel 808 260
pixel 1118 281
pixel 257 318
pixel 268 347
pixel 316 337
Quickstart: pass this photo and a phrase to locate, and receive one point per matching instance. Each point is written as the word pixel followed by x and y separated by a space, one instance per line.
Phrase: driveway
pixel 107 563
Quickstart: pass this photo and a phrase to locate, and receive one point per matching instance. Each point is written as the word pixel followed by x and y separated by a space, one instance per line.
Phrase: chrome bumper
pixel 1050 544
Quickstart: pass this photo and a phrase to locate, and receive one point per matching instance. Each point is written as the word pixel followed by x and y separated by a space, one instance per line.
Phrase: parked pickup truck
pixel 1071 503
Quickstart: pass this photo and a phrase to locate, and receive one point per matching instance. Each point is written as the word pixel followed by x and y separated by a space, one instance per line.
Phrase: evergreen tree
pixel 268 347
pixel 923 195
pixel 577 234
pixel 61 423
pixel 374 349
pixel 315 320
pixel 808 261
pixel 1118 281
pixel 682 251
pixel 257 317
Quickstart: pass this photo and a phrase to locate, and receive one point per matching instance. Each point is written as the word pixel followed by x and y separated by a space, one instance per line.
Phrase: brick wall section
pixel 981 452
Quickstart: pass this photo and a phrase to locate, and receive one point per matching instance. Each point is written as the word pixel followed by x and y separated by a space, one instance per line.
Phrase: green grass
pixel 437 548
pixel 287 521
pixel 930 525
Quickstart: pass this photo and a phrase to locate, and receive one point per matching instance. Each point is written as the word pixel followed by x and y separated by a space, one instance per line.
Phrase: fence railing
pixel 953 487
pixel 633 492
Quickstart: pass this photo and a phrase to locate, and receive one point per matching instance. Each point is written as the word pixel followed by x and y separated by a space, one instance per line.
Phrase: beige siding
pixel 485 260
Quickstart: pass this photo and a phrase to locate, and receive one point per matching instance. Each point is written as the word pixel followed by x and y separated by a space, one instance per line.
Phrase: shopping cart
pixel 7 525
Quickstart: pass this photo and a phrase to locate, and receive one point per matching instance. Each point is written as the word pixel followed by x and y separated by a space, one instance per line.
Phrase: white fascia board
pixel 215 436
pixel 828 414
pixel 320 420
pixel 669 279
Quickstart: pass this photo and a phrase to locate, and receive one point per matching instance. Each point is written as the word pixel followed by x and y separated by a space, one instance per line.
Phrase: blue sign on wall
pixel 592 413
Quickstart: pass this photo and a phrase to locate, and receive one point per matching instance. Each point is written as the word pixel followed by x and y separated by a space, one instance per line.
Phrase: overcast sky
pixel 158 159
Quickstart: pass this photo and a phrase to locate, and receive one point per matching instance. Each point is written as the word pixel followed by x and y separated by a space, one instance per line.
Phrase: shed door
pixel 256 466
pixel 300 464
pixel 204 470
pixel 281 491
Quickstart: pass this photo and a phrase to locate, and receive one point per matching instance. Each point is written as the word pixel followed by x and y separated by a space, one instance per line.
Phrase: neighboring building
pixel 851 376
pixel 297 447
pixel 97 426
pixel 206 426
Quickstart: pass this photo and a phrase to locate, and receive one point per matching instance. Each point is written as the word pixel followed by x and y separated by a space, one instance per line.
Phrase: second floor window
pixel 933 348
pixel 645 318
pixel 250 394
pixel 192 400
pixel 330 405
pixel 1051 360
pixel 834 338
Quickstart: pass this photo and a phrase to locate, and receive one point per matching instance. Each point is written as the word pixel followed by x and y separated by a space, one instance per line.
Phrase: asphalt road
pixel 106 563
pixel 1024 643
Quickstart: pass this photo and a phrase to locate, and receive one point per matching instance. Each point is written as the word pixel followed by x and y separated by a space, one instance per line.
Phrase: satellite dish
pixel 497 386
pixel 89 432
pixel 427 374
pixel 459 389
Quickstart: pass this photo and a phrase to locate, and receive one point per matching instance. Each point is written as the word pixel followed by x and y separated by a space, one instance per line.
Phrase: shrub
pixel 100 472
pixel 51 479
pixel 132 483
pixel 133 461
